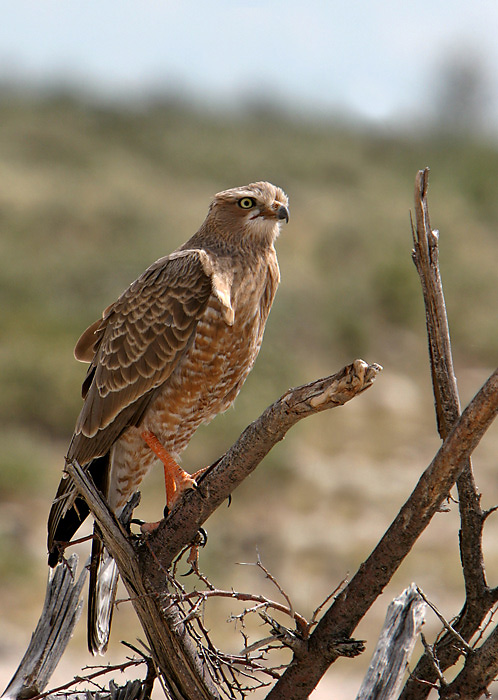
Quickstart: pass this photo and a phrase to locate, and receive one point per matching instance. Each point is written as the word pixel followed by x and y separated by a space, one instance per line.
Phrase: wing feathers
pixel 139 341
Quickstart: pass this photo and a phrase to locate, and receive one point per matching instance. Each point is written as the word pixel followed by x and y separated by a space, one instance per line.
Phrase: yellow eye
pixel 246 203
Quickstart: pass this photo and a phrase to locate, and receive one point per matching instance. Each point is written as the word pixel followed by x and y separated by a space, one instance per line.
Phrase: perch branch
pixel 170 644
pixel 217 483
pixel 143 567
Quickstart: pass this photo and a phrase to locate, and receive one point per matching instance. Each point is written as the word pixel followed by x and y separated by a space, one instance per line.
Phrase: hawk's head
pixel 254 211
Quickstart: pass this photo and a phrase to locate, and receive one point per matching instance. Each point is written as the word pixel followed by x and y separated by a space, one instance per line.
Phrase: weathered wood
pixel 404 619
pixel 61 611
pixel 182 525
pixel 133 690
pixel 479 598
pixel 171 646
pixel 183 674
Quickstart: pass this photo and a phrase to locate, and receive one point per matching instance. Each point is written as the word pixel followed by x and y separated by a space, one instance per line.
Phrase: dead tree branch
pixel 404 620
pixel 170 644
pixel 373 575
pixel 144 566
pixel 452 460
pixel 479 598
pixel 61 611
pixel 447 402
pixel 215 485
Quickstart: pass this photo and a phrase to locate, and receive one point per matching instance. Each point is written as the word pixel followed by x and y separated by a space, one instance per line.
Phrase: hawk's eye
pixel 246 203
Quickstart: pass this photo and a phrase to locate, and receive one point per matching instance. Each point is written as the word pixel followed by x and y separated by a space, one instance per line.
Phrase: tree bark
pixel 143 565
pixel 351 604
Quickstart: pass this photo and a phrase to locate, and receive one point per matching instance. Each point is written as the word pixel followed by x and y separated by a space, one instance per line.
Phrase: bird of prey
pixel 171 353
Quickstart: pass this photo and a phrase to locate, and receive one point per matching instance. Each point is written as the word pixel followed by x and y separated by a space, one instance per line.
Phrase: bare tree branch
pixel 145 576
pixel 61 611
pixel 480 669
pixel 216 484
pixel 171 646
pixel 447 404
pixel 404 620
pixel 373 575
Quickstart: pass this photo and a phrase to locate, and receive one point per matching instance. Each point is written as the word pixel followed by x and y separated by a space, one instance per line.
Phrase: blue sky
pixel 373 58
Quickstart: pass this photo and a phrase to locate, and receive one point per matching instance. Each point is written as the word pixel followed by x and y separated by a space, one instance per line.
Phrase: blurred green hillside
pixel 90 195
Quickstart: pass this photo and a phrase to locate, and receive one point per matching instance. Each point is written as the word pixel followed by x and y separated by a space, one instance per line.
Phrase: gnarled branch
pixel 143 564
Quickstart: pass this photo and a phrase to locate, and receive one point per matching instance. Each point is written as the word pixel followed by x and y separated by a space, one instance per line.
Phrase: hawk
pixel 171 353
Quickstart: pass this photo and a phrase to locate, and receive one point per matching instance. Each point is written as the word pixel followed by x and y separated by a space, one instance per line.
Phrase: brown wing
pixel 133 350
pixel 137 345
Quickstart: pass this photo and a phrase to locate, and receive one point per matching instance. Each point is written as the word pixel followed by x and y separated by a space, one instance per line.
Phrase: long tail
pixel 101 596
pixel 66 515
pixel 69 512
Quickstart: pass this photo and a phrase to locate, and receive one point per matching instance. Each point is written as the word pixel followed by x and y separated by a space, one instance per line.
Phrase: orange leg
pixel 175 478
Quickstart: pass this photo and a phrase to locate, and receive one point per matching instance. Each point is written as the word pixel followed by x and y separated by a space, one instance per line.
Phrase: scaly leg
pixel 175 478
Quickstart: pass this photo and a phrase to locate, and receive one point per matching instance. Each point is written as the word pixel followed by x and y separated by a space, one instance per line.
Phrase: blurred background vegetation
pixel 92 193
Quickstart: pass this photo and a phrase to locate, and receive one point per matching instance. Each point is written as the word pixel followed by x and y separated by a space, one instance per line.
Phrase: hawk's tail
pixel 101 595
pixel 69 511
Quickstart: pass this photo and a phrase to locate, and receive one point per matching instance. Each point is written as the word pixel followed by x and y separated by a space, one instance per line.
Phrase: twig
pixel 252 597
pixel 102 671
pixel 318 610
pixel 431 655
pixel 445 623
pixel 289 609
pixel 485 626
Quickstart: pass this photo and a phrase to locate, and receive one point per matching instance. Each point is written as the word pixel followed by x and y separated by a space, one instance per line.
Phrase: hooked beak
pixel 283 213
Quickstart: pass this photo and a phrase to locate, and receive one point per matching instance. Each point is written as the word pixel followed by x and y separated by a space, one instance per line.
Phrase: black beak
pixel 283 213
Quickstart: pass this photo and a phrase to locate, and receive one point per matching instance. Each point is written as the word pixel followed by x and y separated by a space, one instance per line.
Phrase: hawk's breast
pixel 205 382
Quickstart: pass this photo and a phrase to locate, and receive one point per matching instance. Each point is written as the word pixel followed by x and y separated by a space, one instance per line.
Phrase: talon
pixel 204 537
pixel 193 560
pixel 200 472
pixel 200 540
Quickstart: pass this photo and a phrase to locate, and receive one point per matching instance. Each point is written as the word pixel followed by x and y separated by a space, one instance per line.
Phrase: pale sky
pixel 372 57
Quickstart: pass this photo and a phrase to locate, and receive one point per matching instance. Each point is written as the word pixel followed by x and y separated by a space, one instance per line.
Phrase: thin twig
pixel 101 671
pixel 445 623
pixel 262 601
